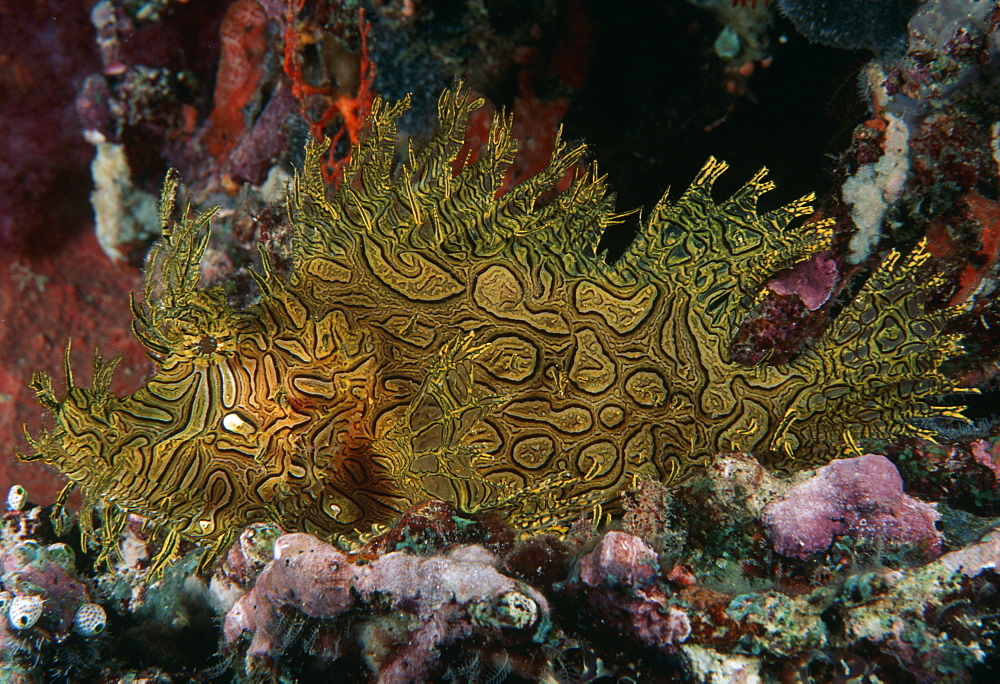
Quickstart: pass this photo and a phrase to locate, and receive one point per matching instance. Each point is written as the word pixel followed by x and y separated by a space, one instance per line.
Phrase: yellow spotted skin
pixel 434 340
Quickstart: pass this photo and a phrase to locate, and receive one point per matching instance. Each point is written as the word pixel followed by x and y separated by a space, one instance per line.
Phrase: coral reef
pixel 48 611
pixel 443 597
pixel 876 186
pixel 472 531
pixel 914 167
pixel 617 582
pixel 961 472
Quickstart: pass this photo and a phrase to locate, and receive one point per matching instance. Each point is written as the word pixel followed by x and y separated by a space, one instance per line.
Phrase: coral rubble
pixel 467 603
pixel 426 603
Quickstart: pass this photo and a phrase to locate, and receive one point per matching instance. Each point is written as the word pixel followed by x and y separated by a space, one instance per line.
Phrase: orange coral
pixel 536 124
pixel 987 214
pixel 352 107
pixel 244 43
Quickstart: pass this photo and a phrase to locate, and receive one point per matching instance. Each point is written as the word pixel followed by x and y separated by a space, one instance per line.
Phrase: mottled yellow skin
pixel 436 341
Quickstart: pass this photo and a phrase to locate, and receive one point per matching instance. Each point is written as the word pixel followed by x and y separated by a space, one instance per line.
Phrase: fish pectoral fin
pixel 423 443
pixel 550 505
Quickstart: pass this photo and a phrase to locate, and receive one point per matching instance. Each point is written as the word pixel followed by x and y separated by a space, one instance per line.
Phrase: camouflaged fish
pixel 436 340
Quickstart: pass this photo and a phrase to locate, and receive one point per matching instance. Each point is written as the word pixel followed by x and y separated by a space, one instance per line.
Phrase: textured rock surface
pixel 435 601
pixel 859 497
pixel 618 581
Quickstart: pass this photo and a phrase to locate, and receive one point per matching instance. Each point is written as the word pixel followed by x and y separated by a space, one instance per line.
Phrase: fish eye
pixel 234 422
pixel 207 345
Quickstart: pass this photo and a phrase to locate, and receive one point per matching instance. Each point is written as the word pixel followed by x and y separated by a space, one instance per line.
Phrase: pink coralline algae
pixel 30 569
pixel 618 582
pixel 984 456
pixel 408 608
pixel 812 281
pixel 795 311
pixel 857 497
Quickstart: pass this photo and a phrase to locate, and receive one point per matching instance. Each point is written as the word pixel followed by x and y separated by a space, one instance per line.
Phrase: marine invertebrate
pixel 340 85
pixel 852 24
pixel 17 498
pixel 876 187
pixel 90 620
pixel 45 577
pixel 24 611
pixel 436 340
pixel 244 42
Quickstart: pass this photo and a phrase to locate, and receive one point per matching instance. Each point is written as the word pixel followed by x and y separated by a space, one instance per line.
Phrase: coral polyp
pixel 437 338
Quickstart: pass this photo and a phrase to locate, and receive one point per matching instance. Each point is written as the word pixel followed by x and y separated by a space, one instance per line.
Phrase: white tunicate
pixel 517 610
pixel 17 497
pixel 727 45
pixel 875 187
pixel 5 600
pixel 24 611
pixel 511 609
pixel 90 620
